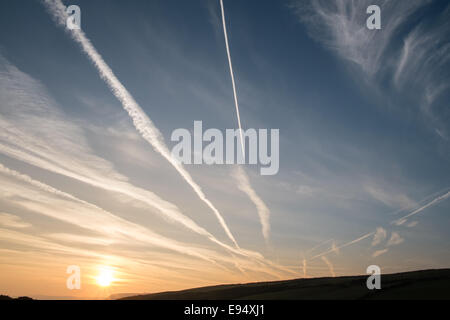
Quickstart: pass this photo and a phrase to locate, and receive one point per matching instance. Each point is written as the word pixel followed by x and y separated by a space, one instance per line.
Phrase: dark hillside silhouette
pixel 427 284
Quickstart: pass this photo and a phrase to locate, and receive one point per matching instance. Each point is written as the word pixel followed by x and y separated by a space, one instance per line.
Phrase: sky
pixel 86 122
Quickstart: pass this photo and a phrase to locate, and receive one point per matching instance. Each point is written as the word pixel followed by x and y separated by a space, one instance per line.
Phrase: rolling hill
pixel 426 284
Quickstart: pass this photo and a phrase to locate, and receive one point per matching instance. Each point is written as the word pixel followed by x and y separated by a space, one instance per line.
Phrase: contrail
pixel 166 208
pixel 330 266
pixel 304 268
pixel 112 225
pixel 380 233
pixel 141 121
pixel 343 246
pixel 113 222
pixel 396 222
pixel 402 220
pixel 244 183
pixel 318 246
pixel 263 211
pixel 232 75
pixel 335 248
pixel 99 220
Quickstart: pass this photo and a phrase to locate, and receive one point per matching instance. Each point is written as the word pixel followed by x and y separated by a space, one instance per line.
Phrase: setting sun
pixel 105 277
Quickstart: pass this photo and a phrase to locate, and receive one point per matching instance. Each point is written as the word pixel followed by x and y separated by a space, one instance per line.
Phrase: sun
pixel 105 277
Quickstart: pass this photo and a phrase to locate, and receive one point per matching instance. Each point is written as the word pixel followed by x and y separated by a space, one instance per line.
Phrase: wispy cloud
pixel 45 256
pixel 304 268
pixel 76 238
pixel 40 198
pixel 335 248
pixel 379 253
pixel 379 236
pixel 431 203
pixel 240 175
pixel 141 121
pixel 330 266
pixel 395 239
pixel 341 26
pixel 389 198
pixel 39 242
pixel 233 83
pixel 47 140
pixel 263 211
pixel 84 214
pixel 412 224
pixel 417 65
pixel 319 245
pixel 12 221
pixel 367 235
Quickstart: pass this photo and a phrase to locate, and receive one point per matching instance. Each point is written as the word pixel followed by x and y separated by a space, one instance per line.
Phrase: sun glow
pixel 105 277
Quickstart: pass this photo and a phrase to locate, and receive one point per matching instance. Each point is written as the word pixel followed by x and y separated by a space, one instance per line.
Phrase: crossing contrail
pixel 397 222
pixel 318 246
pixel 304 268
pixel 105 221
pixel 330 266
pixel 242 178
pixel 417 211
pixel 263 212
pixel 342 246
pixel 225 34
pixel 141 121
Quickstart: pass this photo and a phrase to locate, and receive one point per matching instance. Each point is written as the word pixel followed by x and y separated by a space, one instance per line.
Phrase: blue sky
pixel 364 141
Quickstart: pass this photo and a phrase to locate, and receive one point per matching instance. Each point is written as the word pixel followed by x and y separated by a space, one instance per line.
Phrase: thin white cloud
pixel 340 25
pixel 44 255
pixel 35 131
pixel 389 198
pixel 431 203
pixel 39 242
pixel 379 253
pixel 412 224
pixel 367 235
pixel 304 268
pixel 141 121
pixel 232 74
pixel 35 196
pixel 395 239
pixel 240 175
pixel 379 236
pixel 263 211
pixel 330 266
pixel 416 64
pixel 75 238
pixel 12 221
pixel 307 191
pixel 83 214
pixel 319 245
pixel 335 248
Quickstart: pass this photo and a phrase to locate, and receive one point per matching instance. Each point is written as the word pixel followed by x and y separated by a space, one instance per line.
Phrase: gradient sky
pixel 364 125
